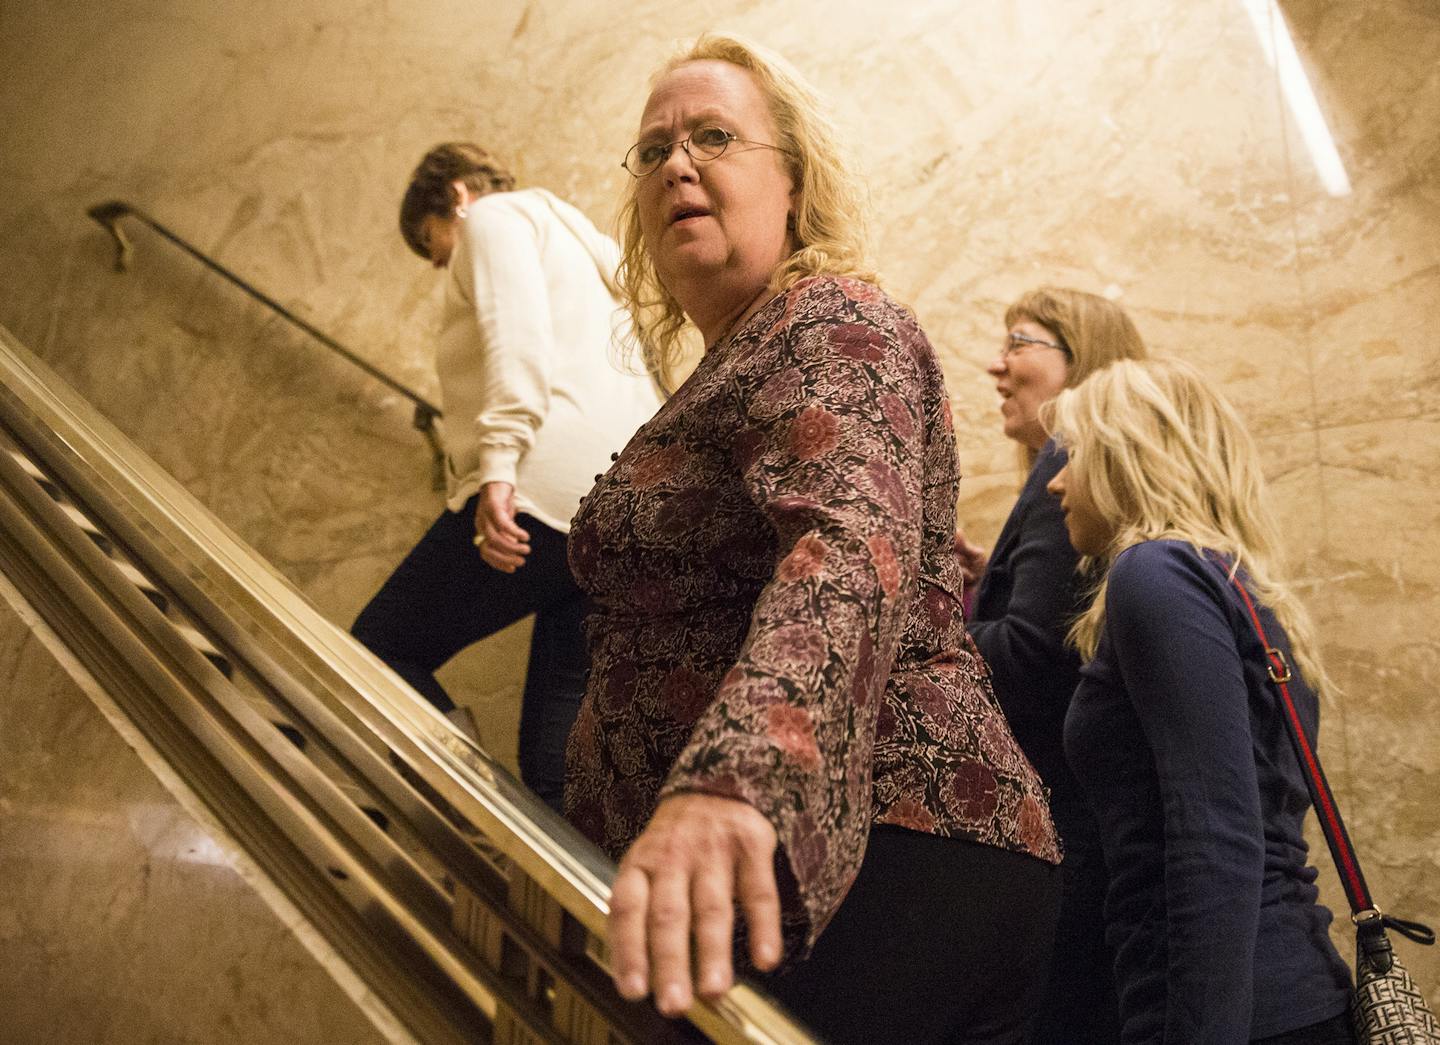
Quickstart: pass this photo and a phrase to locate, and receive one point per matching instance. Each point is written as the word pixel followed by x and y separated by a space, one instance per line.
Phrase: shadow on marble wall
pixel 1144 152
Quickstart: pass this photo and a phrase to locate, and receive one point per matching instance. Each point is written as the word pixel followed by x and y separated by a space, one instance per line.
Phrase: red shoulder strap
pixel 1278 668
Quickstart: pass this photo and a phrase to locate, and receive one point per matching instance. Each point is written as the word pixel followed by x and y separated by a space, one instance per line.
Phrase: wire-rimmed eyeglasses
pixel 1015 342
pixel 703 143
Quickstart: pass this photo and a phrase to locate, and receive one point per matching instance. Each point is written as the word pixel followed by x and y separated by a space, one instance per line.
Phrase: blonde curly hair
pixel 830 235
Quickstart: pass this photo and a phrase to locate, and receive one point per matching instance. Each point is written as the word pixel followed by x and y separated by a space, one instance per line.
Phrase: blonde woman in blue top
pixel 1173 731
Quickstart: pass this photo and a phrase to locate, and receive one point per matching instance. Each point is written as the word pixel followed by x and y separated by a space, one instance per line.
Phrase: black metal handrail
pixel 108 214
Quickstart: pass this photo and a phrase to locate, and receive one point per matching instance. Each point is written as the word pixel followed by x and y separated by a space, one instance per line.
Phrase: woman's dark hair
pixel 431 191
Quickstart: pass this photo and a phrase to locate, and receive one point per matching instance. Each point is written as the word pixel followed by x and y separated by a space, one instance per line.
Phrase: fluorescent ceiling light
pixel 1280 52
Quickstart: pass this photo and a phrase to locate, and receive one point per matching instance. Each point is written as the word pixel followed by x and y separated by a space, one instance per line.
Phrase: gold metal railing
pixel 470 908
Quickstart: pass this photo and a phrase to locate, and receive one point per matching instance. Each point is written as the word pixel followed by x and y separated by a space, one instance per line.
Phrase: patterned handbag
pixel 1387 1008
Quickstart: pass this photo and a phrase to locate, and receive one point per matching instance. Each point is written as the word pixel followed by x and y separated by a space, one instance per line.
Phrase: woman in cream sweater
pixel 536 397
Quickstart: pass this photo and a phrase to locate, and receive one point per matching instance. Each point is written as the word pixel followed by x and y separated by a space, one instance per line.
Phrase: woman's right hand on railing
pixel 672 908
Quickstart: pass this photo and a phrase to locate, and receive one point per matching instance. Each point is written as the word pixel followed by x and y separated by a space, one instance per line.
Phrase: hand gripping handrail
pixel 108 215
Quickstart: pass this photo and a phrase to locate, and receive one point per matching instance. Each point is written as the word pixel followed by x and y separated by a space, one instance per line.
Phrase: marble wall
pixel 126 913
pixel 1139 149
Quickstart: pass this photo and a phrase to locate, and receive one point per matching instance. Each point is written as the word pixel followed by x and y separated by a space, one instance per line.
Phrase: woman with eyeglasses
pixel 535 402
pixel 784 712
pixel 1175 732
pixel 1030 590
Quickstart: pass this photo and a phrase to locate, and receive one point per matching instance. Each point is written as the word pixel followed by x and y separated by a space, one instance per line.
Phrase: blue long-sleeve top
pixel 1175 736
pixel 1027 598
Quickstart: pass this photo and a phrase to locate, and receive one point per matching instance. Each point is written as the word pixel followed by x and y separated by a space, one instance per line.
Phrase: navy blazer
pixel 1030 593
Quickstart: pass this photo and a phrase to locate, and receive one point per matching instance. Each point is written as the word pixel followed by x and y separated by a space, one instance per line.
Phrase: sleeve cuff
pixel 804 910
pixel 498 464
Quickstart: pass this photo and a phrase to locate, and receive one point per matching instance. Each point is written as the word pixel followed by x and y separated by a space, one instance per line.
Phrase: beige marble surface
pixel 123 917
pixel 1139 149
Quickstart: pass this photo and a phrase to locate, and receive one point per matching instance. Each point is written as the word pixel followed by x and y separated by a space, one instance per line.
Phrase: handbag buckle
pixel 1278 667
pixel 1365 917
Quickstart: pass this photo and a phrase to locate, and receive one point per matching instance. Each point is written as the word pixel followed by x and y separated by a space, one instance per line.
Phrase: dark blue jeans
pixel 443 597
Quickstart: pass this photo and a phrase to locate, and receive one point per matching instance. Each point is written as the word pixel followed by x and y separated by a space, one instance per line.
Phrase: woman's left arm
pixel 832 454
pixel 499 274
pixel 1179 661
pixel 501 277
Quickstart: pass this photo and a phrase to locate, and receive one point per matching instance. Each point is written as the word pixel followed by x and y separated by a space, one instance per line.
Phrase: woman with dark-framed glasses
pixel 1029 591
pixel 784 712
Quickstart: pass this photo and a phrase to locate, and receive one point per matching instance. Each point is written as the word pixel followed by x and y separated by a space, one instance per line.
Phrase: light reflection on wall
pixel 66 834
pixel 1279 47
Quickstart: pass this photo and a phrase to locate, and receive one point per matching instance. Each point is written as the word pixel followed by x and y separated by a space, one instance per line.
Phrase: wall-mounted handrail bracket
pixel 108 215
pixel 424 420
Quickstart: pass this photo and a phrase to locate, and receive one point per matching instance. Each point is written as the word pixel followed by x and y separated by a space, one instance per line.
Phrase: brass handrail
pixel 558 883
pixel 108 215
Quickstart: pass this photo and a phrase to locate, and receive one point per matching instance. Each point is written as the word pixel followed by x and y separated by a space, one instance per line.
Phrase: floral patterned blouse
pixel 777 606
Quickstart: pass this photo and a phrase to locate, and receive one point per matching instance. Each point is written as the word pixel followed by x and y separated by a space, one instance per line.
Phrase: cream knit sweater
pixel 535 375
